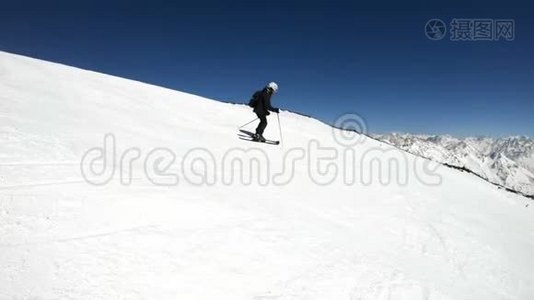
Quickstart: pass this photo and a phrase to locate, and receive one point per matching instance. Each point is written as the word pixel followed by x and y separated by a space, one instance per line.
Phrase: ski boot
pixel 258 138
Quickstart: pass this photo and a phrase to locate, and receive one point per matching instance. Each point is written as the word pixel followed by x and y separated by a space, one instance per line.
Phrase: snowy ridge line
pixel 464 169
pixel 66 66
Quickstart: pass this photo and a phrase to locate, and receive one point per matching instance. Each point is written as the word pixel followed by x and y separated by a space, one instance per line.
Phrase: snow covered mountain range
pixel 116 189
pixel 504 161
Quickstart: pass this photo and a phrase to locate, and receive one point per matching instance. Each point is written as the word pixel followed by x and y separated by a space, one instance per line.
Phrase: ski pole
pixel 248 123
pixel 280 128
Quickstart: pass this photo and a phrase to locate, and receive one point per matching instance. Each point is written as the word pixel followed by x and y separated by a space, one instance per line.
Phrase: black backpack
pixel 252 102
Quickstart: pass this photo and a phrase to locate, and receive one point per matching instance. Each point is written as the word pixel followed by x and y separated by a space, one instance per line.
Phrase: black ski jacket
pixel 262 103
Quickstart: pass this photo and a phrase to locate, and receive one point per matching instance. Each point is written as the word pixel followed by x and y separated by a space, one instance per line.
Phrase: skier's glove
pixel 276 110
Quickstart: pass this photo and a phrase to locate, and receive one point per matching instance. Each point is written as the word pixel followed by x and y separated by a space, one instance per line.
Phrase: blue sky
pixel 329 57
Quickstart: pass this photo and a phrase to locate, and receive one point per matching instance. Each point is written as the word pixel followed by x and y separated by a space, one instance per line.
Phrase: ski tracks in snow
pixel 348 270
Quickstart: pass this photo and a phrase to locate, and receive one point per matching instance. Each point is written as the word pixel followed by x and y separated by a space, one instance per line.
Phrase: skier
pixel 261 102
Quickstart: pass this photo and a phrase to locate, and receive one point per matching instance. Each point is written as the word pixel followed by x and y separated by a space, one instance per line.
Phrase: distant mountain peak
pixel 507 161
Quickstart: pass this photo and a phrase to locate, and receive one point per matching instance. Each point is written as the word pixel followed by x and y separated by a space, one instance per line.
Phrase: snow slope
pixel 62 237
pixel 505 161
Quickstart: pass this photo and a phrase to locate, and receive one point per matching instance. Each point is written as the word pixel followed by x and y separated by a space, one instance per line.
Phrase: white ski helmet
pixel 273 86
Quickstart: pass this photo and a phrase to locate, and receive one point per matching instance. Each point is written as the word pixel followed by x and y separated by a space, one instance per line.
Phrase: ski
pixel 270 142
pixel 247 136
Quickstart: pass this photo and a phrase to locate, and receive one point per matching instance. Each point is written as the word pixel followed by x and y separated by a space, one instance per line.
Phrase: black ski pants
pixel 262 125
